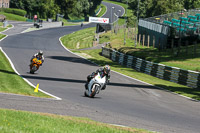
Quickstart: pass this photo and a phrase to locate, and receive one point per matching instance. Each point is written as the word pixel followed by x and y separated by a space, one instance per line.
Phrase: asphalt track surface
pixel 124 102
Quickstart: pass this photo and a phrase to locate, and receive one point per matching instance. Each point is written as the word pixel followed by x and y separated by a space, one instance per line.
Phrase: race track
pixel 124 102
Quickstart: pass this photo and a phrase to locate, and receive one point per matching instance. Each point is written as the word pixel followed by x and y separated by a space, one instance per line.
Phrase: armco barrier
pixel 173 74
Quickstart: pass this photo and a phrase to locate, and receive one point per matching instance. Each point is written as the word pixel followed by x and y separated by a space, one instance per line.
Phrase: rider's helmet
pixel 106 69
pixel 40 53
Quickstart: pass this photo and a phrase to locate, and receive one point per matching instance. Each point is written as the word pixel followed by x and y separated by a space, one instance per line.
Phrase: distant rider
pixel 104 71
pixel 38 55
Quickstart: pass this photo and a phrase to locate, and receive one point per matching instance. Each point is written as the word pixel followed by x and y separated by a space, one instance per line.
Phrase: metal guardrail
pixel 185 77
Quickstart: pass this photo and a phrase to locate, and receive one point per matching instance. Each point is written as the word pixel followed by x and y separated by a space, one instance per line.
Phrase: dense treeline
pixel 49 8
pixel 82 8
pixel 149 8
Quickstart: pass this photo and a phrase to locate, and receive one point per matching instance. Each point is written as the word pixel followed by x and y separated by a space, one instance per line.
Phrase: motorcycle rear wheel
pixel 85 93
pixel 32 72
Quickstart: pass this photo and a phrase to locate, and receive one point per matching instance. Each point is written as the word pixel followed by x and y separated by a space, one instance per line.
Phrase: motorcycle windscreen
pixel 99 79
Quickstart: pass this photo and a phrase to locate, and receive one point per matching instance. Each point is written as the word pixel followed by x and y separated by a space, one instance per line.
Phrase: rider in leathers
pixel 105 71
pixel 38 55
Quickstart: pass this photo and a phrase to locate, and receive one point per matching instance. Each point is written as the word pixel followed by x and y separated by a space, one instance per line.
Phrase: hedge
pixel 19 12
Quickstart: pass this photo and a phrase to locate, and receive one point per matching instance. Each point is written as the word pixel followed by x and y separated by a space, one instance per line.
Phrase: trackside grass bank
pixel 84 40
pixel 95 56
pixel 29 122
pixel 10 16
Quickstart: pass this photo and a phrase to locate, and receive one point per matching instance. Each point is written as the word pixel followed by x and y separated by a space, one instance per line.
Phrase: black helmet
pixel 106 69
pixel 40 52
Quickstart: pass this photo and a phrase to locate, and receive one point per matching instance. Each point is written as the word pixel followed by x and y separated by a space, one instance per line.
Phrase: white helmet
pixel 40 52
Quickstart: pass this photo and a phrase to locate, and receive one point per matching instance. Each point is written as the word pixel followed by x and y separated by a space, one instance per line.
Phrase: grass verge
pixel 29 122
pixel 66 23
pixel 84 40
pixel 2 36
pixel 13 17
pixel 4 28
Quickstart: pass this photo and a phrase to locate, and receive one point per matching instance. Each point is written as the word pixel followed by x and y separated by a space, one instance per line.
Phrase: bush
pixel 131 20
pixel 19 12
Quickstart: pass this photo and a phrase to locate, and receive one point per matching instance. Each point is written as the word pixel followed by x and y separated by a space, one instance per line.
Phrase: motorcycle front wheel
pixel 94 90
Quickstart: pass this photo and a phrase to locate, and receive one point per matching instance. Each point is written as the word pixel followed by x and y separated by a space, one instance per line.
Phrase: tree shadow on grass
pixel 8 72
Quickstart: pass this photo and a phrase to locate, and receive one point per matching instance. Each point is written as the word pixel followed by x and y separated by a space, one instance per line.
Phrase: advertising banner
pixel 99 20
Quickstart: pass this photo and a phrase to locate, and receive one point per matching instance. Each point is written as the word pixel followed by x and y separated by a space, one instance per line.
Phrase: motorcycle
pixel 95 85
pixel 36 62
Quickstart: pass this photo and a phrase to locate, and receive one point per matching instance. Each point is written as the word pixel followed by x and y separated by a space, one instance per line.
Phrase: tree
pixel 82 8
pixel 150 8
pixel 66 6
pixel 93 6
pixel 49 8
pixel 133 5
pixel 191 4
pixel 17 4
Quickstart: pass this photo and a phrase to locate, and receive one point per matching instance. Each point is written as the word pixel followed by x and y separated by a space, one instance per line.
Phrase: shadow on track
pixel 84 81
pixel 71 59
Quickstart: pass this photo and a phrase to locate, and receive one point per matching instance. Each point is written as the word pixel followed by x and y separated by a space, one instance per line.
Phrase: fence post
pixel 174 74
pixel 139 38
pixel 143 40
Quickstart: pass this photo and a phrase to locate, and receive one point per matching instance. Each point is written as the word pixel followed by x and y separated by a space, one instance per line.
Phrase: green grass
pixel 70 24
pixel 84 39
pixel 184 61
pixel 2 36
pixel 94 55
pixel 13 17
pixel 117 40
pixel 10 82
pixel 103 10
pixel 29 122
pixel 2 28
pixel 9 26
pixel 66 23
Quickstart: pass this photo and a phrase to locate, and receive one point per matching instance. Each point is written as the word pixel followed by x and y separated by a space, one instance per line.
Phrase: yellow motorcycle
pixel 36 63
